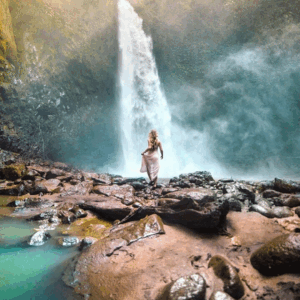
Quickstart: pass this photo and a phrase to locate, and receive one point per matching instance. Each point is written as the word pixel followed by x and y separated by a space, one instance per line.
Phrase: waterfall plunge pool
pixel 31 272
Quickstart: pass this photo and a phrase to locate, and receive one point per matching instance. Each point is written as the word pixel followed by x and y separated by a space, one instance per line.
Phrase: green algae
pixel 93 227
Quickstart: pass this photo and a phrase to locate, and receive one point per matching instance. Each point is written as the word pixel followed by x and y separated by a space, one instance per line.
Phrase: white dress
pixel 150 163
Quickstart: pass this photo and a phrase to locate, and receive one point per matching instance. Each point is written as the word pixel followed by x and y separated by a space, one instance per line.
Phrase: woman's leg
pixel 155 181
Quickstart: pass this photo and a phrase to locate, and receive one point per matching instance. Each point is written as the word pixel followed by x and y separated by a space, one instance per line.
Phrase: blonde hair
pixel 153 139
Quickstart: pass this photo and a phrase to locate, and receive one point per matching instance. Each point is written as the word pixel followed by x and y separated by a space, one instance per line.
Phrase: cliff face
pixel 65 54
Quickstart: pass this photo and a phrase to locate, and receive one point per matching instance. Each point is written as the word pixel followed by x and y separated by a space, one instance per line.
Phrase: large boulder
pixel 278 256
pixel 194 208
pixel 91 260
pixel 228 274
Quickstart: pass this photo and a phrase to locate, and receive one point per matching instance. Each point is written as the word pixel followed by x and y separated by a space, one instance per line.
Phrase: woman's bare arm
pixel 161 150
pixel 146 150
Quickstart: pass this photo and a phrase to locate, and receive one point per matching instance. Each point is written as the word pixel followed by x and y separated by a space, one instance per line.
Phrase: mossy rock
pixel 13 172
pixel 229 275
pixel 279 256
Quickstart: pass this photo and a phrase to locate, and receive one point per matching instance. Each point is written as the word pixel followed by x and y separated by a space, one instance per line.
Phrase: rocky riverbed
pixel 192 237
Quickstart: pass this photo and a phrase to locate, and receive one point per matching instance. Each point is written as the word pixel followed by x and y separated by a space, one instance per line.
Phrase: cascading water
pixel 143 105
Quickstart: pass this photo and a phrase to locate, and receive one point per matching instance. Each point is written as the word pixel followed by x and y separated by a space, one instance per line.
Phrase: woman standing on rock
pixel 150 160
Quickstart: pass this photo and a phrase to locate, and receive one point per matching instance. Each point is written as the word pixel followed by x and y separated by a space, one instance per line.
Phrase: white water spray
pixel 143 104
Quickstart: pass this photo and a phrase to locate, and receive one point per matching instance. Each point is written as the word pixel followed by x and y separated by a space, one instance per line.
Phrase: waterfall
pixel 143 104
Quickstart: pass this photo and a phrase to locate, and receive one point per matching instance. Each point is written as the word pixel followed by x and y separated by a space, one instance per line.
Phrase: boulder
pixel 62 166
pixel 121 236
pixel 220 296
pixel 228 274
pixel 30 175
pixel 138 186
pixel 297 211
pixel 39 238
pixel 196 208
pixel 51 186
pixel 83 188
pixel 42 170
pixel 265 211
pixel 199 195
pixel 192 287
pixel 46 215
pixel 78 212
pixel 278 256
pixel 287 200
pixel 67 217
pixel 87 242
pixel 123 192
pixel 130 180
pixel 53 173
pixel 12 190
pixel 271 194
pixel 68 241
pixel 286 186
pixel 13 172
pixel 282 212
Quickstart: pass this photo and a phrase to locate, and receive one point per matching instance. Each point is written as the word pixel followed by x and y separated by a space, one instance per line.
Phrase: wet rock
pixel 30 175
pixel 78 212
pixel 286 186
pixel 82 188
pixel 12 190
pixel 67 217
pixel 130 180
pixel 46 215
pixel 87 242
pixel 62 166
pixel 39 238
pixel 226 180
pixel 271 194
pixel 200 196
pixel 265 211
pixel 121 236
pixel 234 205
pixel 68 241
pixel 108 207
pixel 220 296
pixel 192 287
pixel 282 212
pixel 297 211
pixel 127 201
pixel 99 179
pixel 265 185
pixel 125 191
pixel 169 202
pixel 138 186
pixel 225 271
pixel 53 173
pixel 13 172
pixel 46 186
pixel 42 170
pixel 168 190
pixel 287 200
pixel 279 256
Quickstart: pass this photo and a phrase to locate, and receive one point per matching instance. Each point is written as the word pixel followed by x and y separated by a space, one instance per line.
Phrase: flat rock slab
pixel 123 192
pixel 89 263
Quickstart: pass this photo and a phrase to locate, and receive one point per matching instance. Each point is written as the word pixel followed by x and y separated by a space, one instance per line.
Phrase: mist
pixel 229 71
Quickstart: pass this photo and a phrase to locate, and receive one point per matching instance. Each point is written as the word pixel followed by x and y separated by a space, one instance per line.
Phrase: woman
pixel 150 160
